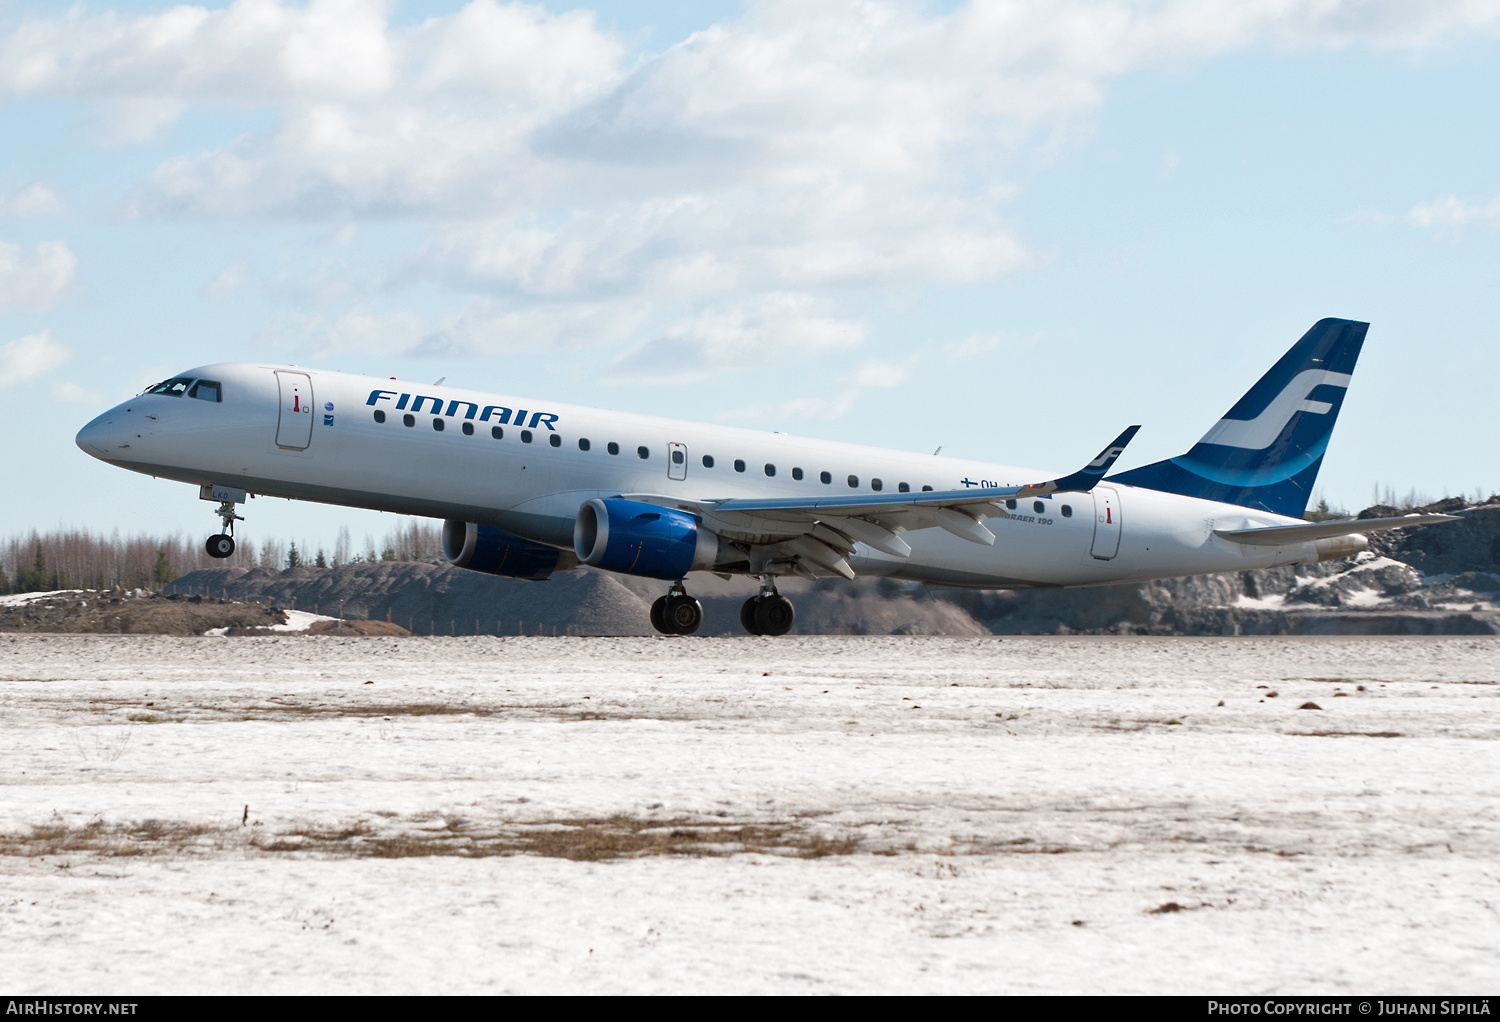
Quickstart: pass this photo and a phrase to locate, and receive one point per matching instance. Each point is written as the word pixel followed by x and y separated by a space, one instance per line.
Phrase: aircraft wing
pixel 823 530
pixel 1281 535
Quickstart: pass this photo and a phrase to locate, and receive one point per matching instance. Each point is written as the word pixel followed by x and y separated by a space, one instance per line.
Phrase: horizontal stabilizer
pixel 1282 535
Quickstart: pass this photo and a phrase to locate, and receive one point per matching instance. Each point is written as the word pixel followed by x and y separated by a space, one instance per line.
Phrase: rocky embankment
pixel 430 597
pixel 131 612
pixel 1432 580
pixel 144 612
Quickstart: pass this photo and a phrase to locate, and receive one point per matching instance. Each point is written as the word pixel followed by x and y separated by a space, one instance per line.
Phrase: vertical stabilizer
pixel 1266 451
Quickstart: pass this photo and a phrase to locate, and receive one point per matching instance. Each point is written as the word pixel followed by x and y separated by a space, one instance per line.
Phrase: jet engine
pixel 481 548
pixel 642 539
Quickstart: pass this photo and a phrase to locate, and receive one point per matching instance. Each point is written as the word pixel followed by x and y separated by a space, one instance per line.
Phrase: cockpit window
pixel 174 387
pixel 206 390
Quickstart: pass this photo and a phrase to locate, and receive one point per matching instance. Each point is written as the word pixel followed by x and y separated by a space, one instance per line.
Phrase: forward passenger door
pixel 294 426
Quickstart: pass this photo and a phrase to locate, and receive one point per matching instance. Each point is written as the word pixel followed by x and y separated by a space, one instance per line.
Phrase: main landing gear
pixel 676 613
pixel 769 613
pixel 222 544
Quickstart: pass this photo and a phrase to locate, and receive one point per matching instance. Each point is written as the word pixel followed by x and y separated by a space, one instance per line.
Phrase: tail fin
pixel 1266 450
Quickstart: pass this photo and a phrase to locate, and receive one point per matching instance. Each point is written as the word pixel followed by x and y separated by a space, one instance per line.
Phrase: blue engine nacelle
pixel 642 539
pixel 481 548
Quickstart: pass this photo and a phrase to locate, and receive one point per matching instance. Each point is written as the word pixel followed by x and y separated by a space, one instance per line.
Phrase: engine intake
pixel 481 548
pixel 642 539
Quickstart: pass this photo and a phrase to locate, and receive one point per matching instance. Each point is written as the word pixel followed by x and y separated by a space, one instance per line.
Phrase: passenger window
pixel 770 470
pixel 554 440
pixel 583 443
pixel 853 481
pixel 1010 504
pixel 927 489
pixel 408 420
pixel 613 448
pixel 796 473
pixel 468 429
pixel 1038 507
pixel 825 478
pixel 497 432
pixel 876 484
pixel 525 436
pixel 678 457
pixel 643 453
pixel 437 424
pixel 739 466
pixel 173 388
pixel 1067 510
pixel 379 415
pixel 708 461
pixel 205 390
pixel 903 488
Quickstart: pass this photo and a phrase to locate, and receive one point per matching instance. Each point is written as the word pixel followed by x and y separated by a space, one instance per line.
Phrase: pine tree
pixel 162 573
pixel 33 579
pixel 320 561
pixel 4 581
pixel 293 558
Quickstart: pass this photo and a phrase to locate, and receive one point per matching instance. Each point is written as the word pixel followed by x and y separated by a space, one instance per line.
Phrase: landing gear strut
pixel 676 613
pixel 222 544
pixel 769 613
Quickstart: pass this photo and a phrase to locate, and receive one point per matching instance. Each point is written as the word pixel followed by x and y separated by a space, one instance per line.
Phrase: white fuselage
pixel 310 435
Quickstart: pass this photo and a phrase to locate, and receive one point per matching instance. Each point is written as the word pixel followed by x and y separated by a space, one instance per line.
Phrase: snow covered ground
pixel 819 814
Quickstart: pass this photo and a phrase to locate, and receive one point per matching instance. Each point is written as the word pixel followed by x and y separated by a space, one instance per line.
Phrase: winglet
pixel 1084 479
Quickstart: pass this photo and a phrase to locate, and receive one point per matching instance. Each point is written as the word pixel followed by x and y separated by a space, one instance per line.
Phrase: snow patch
pixel 296 621
pixel 1273 602
pixel 21 599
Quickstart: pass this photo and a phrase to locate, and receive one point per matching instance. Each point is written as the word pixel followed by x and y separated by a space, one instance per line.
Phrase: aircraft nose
pixel 104 437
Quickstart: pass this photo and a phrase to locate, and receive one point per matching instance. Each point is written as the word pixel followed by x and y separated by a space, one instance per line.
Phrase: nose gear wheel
pixel 222 544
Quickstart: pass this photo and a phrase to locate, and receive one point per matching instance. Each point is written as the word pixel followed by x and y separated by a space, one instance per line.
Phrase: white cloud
pixel 227 283
pixel 824 408
pixel 779 329
pixel 972 346
pixel 29 357
pixel 874 373
pixel 33 200
pixel 483 328
pixel 878 373
pixel 71 393
pixel 1450 211
pixel 800 151
pixel 35 283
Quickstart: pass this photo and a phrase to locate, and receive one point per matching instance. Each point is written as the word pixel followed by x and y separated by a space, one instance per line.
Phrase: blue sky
pixel 1006 229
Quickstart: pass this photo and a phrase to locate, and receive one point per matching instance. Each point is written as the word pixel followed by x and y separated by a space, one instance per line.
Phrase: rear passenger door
pixel 1106 522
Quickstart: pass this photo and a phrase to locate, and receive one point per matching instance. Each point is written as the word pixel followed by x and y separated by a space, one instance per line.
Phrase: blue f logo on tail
pixel 1266 450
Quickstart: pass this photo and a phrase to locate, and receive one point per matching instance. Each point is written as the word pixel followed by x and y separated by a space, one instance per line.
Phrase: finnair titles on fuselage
pixel 527 488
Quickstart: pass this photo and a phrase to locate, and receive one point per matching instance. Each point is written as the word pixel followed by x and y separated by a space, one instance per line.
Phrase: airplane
pixel 527 487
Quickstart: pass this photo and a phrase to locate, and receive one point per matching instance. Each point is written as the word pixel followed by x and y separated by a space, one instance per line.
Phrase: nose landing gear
pixel 222 544
pixel 769 613
pixel 676 613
